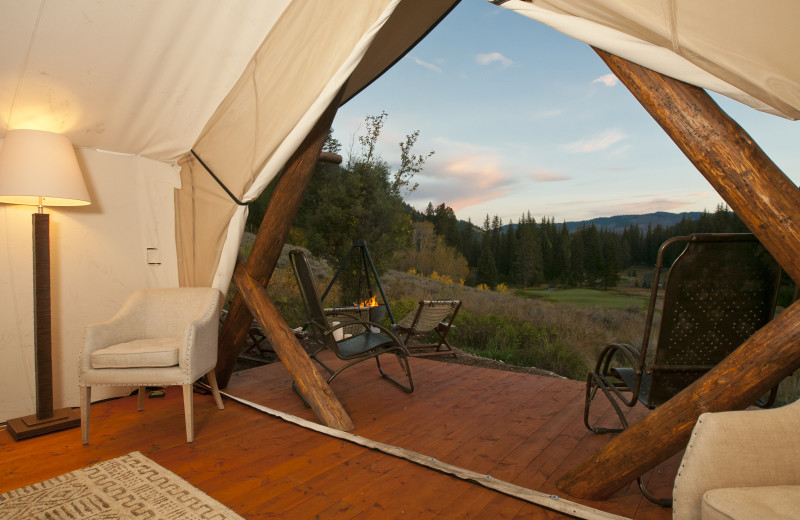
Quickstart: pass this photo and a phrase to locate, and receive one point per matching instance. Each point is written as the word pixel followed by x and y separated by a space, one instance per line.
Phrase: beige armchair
pixel 160 337
pixel 743 464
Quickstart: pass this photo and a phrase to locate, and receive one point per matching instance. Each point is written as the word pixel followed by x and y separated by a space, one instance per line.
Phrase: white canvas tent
pixel 137 86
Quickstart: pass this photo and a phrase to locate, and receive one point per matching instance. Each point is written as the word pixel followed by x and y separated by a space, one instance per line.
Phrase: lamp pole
pixel 40 168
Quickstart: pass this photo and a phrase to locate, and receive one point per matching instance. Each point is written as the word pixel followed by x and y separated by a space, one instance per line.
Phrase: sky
pixel 522 118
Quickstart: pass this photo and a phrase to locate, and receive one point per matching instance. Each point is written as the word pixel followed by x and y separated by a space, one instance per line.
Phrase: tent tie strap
pixel 222 185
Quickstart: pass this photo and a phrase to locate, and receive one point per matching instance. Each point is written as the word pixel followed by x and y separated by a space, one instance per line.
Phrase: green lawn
pixel 589 298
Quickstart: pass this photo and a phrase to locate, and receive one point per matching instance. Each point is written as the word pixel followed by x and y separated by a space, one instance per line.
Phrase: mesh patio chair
pixel 719 291
pixel 430 315
pixel 361 345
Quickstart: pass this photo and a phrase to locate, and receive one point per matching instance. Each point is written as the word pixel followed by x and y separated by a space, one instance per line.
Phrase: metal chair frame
pixel 356 348
pixel 720 290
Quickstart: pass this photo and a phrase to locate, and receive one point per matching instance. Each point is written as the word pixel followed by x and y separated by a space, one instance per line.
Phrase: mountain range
pixel 620 222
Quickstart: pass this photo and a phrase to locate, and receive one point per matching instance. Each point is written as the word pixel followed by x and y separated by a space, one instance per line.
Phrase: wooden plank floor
pixel 524 429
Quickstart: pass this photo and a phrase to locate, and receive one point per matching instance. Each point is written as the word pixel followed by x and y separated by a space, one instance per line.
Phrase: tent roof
pixel 132 77
pixel 744 50
pixel 144 77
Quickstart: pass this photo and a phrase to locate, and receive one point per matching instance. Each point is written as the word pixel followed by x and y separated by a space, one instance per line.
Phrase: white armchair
pixel 160 337
pixel 743 464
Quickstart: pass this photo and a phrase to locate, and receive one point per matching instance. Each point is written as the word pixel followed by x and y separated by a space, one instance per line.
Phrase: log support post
pixel 255 275
pixel 768 202
pixel 308 380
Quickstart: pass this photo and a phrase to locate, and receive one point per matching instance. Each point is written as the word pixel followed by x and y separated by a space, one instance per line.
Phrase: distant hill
pixel 620 222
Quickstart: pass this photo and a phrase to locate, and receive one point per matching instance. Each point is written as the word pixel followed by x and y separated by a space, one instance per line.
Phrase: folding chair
pixel 430 315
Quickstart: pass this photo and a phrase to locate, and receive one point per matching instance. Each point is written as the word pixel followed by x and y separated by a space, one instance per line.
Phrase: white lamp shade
pixel 36 164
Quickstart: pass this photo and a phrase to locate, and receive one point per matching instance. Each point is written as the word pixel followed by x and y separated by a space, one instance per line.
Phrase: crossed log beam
pixel 769 203
pixel 252 277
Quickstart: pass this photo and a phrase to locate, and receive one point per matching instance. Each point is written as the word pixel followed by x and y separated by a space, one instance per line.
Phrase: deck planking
pixel 521 428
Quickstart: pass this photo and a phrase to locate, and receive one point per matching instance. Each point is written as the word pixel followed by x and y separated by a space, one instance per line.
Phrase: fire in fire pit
pixel 376 311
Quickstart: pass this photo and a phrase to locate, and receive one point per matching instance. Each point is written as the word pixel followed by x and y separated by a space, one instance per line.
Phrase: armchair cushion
pixel 773 502
pixel 736 450
pixel 140 353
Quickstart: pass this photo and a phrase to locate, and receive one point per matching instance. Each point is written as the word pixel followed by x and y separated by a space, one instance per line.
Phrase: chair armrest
pixel 200 343
pixel 738 449
pixel 629 353
pixel 367 326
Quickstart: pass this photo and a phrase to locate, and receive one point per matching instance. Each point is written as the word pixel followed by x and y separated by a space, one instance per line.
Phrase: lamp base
pixel 30 426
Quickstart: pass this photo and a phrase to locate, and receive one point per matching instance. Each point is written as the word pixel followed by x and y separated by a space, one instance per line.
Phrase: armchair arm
pixel 738 449
pixel 198 352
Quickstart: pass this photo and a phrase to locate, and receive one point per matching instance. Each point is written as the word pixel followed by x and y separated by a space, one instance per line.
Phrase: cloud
pixel 601 142
pixel 608 80
pixel 548 176
pixel 463 175
pixel 429 66
pixel 546 114
pixel 491 57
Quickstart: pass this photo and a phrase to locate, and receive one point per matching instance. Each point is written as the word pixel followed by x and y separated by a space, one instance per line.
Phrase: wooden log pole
pixel 271 236
pixel 766 200
pixel 769 203
pixel 308 380
pixel 255 274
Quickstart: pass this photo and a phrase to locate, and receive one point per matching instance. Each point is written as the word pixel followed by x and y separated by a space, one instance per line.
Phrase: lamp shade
pixel 40 168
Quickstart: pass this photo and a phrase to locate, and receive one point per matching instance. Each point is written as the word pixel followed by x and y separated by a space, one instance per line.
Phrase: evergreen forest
pixel 364 198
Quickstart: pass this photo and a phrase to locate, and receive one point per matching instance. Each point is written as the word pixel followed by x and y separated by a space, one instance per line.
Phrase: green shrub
pixel 517 342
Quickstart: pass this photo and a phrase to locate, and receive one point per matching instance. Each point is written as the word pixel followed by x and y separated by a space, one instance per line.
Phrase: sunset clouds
pixel 523 118
pixel 464 175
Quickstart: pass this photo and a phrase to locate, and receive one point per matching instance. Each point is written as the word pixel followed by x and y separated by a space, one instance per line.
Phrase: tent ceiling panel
pixel 744 50
pixel 137 77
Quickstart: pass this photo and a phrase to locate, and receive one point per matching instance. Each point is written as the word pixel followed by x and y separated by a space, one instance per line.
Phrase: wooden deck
pixel 524 429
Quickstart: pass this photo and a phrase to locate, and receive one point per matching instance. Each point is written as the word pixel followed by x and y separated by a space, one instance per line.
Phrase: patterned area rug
pixel 131 486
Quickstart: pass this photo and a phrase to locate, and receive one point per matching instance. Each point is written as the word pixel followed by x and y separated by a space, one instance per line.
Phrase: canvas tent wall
pixel 137 85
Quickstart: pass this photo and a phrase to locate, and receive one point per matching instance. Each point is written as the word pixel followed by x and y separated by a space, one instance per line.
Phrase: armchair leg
pixel 142 390
pixel 212 382
pixel 188 410
pixel 86 401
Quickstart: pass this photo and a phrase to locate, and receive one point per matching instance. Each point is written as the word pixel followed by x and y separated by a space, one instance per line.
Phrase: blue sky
pixel 523 118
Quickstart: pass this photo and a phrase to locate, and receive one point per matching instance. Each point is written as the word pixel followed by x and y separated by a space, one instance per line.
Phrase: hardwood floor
pixel 524 429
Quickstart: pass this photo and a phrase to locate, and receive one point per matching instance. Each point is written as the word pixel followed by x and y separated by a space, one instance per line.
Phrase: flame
pixel 372 302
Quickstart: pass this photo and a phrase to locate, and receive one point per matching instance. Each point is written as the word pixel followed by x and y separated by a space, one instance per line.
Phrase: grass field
pixel 590 298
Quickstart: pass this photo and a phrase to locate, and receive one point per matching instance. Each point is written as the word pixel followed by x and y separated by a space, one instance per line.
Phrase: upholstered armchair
pixel 741 465
pixel 160 337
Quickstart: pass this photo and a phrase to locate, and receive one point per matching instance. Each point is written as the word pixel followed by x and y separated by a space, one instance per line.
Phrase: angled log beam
pixel 769 203
pixel 271 236
pixel 253 276
pixel 768 356
pixel 766 200
pixel 310 383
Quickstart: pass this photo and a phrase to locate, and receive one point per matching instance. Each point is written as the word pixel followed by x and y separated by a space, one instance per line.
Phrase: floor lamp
pixel 40 169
